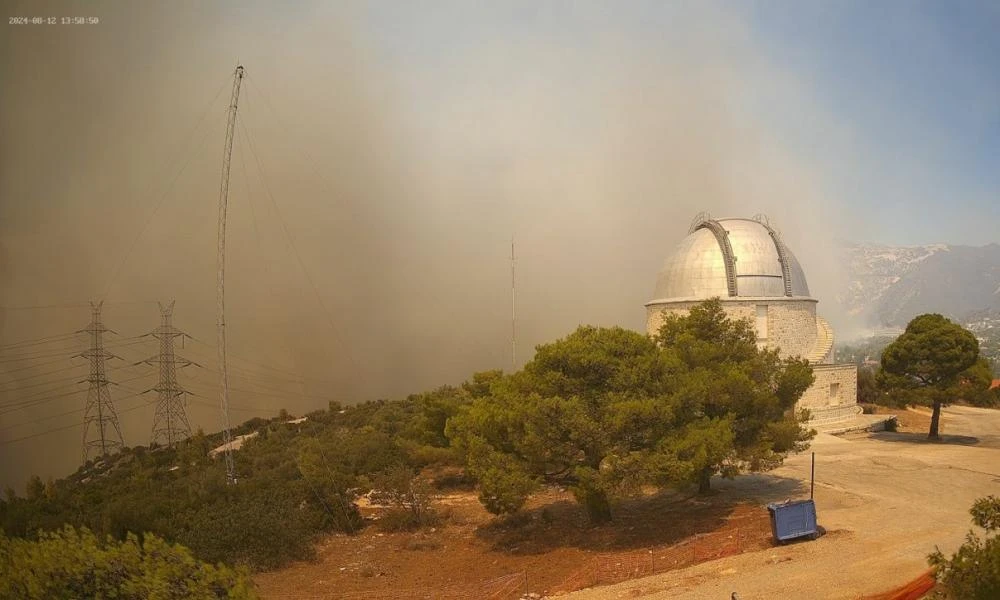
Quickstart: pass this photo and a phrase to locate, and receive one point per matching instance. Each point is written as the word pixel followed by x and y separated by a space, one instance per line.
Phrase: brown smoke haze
pixel 399 185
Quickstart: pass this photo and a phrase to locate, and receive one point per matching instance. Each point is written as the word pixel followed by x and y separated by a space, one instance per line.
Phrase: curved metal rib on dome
pixel 722 236
pixel 698 220
pixel 786 270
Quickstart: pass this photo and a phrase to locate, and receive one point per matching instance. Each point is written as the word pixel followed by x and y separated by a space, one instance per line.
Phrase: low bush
pixel 74 563
pixel 422 543
pixel 409 496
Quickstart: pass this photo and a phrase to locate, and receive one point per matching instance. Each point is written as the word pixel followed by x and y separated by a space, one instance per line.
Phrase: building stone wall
pixel 835 385
pixel 791 322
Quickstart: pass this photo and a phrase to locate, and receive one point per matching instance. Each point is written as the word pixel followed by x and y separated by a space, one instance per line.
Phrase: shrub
pixel 72 563
pixel 973 573
pixel 422 543
pixel 410 497
pixel 396 519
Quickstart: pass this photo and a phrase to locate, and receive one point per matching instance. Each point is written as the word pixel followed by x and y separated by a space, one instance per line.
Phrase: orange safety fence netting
pixel 913 590
pixel 506 587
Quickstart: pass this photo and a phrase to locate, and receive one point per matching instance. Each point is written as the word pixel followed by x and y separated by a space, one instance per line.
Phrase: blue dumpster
pixel 793 519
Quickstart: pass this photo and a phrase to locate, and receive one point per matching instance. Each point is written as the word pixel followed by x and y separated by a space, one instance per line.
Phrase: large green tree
pixel 580 404
pixel 720 373
pixel 606 411
pixel 929 363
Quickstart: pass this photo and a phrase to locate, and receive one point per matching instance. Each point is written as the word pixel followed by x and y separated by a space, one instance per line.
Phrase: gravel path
pixel 885 500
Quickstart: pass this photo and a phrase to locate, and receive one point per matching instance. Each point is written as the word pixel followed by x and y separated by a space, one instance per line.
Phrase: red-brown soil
pixel 547 544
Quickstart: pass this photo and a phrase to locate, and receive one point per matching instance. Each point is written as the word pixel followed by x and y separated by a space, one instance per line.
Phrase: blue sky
pixel 894 103
pixel 920 84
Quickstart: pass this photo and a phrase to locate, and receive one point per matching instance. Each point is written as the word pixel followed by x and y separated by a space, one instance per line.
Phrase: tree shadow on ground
pixel 921 438
pixel 659 519
pixel 763 488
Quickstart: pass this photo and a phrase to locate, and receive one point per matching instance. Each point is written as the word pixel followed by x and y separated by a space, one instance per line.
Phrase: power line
pixel 73 305
pixel 41 375
pixel 41 354
pixel 255 379
pixel 10 408
pixel 295 377
pixel 272 392
pixel 37 398
pixel 29 367
pixel 170 185
pixel 44 306
pixel 39 420
pixel 274 395
pixel 51 353
pixel 295 250
pixel 27 398
pixel 28 437
pixel 298 148
pixel 36 341
pixel 234 407
pixel 40 383
pixel 263 379
pixel 72 426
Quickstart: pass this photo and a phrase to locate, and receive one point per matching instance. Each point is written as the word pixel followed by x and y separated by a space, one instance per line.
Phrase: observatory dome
pixel 731 258
pixel 745 264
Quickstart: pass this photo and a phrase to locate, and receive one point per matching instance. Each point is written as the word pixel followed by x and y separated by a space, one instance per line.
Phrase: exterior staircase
pixel 821 352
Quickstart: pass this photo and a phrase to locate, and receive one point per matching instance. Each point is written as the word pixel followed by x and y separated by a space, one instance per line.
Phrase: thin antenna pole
pixel 812 476
pixel 227 156
pixel 513 314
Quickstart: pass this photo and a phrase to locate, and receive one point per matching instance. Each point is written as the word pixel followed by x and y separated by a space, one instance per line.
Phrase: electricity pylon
pixel 106 435
pixel 170 423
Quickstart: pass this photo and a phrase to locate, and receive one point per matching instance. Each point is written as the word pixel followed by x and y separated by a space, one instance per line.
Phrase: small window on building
pixel 761 321
pixel 834 390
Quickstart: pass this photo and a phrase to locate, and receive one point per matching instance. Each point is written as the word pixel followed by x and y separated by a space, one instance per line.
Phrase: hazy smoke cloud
pixel 402 170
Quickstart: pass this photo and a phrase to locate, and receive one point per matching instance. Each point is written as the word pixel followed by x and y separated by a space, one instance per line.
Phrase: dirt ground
pixel 886 500
pixel 549 543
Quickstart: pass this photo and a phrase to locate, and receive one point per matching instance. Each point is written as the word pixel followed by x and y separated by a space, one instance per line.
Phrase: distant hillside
pixel 890 285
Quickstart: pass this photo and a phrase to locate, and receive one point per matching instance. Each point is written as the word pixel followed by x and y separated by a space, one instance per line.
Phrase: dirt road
pixel 886 500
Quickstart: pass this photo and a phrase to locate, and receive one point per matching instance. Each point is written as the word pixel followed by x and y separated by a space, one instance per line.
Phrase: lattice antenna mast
pixel 170 422
pixel 102 433
pixel 227 156
pixel 513 320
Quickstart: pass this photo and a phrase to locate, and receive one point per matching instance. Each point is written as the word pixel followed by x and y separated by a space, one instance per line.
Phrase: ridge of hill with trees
pixel 604 411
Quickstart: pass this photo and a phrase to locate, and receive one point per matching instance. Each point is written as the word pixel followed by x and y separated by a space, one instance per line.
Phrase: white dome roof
pixel 731 258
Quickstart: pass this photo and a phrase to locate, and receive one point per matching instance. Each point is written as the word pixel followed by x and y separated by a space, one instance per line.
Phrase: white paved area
pixel 885 499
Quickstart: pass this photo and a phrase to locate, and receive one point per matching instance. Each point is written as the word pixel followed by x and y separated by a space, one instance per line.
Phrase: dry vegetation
pixel 910 420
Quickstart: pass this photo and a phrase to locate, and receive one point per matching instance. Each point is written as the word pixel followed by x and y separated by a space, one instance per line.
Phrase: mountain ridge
pixel 889 285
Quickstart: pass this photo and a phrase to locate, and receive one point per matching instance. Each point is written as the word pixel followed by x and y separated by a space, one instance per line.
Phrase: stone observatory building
pixel 744 263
